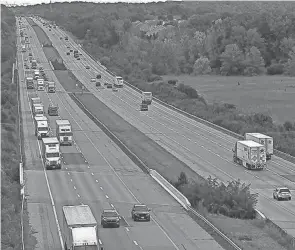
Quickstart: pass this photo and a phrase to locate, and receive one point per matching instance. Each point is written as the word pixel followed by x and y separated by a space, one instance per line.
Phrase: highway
pixel 96 172
pixel 205 150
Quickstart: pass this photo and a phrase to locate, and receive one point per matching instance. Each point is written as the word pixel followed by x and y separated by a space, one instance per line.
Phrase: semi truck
pixel 80 228
pixel 51 87
pixel 38 109
pixel 146 98
pixel 51 153
pixel 119 82
pixel 265 140
pixel 29 82
pixel 41 127
pixel 40 84
pixel 64 132
pixel 250 155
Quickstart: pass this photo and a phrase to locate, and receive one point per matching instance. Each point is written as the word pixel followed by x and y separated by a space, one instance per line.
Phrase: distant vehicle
pixel 29 82
pixel 34 100
pixel 49 29
pixel 78 58
pixel 115 90
pixel 282 193
pixel 265 140
pixel 40 84
pixel 87 67
pixel 105 83
pixel 24 48
pixel 64 132
pixel 68 47
pixel 52 110
pixel 140 212
pixel 80 228
pixel 146 98
pixel 60 38
pixel 26 66
pixel 249 154
pixel 119 82
pixel 109 86
pixel 144 107
pixel 38 109
pixel 93 80
pixel 51 87
pixel 41 127
pixel 97 84
pixel 34 64
pixel 110 217
pixel 68 53
pixel 98 76
pixel 66 38
pixel 71 50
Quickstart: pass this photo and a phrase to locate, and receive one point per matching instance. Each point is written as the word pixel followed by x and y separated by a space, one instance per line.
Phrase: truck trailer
pixel 51 153
pixel 146 98
pixel 118 82
pixel 35 100
pixel 265 140
pixel 38 109
pixel 80 228
pixel 64 132
pixel 250 154
pixel 41 127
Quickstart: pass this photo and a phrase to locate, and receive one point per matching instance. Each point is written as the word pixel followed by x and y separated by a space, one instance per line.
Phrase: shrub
pixel 275 69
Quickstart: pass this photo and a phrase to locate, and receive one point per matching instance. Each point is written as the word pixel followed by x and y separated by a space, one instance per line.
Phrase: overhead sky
pixel 32 2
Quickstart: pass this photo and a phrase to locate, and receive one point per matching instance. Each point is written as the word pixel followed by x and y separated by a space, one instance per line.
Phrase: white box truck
pixel 36 74
pixel 35 100
pixel 41 127
pixel 40 84
pixel 265 140
pixel 80 228
pixel 118 82
pixel 147 98
pixel 51 153
pixel 249 154
pixel 64 132
pixel 38 109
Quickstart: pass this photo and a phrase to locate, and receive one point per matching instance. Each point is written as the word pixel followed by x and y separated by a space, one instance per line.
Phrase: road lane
pixel 113 184
pixel 197 140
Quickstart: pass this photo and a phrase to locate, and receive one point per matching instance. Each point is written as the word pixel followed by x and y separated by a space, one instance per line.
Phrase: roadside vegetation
pixel 143 42
pixel 10 188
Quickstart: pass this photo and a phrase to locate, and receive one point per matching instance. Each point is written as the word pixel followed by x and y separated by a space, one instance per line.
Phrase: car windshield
pixel 140 208
pixel 43 129
pixel 110 214
pixel 284 190
pixel 51 155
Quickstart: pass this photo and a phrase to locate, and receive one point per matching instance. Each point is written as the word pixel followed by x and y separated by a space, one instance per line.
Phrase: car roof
pixel 140 205
pixel 282 188
pixel 109 210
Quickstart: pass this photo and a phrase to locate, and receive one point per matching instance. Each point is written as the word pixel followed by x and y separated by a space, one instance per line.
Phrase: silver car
pixel 282 193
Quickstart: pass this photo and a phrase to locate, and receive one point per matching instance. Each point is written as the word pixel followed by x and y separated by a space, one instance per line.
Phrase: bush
pixel 172 82
pixel 188 90
pixel 233 200
pixel 275 69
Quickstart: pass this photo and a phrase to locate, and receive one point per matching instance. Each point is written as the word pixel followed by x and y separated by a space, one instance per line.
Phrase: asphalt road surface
pixel 97 173
pixel 205 150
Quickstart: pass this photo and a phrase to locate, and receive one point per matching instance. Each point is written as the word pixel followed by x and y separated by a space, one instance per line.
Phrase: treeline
pixel 227 38
pixel 10 188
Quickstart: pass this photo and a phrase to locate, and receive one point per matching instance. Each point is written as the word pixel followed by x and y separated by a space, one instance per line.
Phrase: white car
pixel 282 193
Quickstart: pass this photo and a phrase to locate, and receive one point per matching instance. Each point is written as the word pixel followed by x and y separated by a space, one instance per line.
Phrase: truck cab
pixel 147 98
pixel 64 132
pixel 51 153
pixel 34 64
pixel 119 82
pixel 35 100
pixel 41 127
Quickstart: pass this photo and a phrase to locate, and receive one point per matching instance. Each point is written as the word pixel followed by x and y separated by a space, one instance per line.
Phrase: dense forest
pixel 10 188
pixel 143 42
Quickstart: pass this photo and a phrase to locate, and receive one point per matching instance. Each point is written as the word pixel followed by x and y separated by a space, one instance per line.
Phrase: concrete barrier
pixel 178 196
pixel 260 215
pixel 21 174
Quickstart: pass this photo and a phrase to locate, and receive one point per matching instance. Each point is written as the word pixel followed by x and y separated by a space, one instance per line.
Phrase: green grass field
pixel 273 95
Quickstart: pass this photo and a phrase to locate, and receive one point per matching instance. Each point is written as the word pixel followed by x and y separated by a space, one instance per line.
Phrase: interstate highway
pixel 204 149
pixel 99 174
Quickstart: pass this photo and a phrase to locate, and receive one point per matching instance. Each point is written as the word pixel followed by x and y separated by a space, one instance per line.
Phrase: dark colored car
pixel 140 212
pixel 87 67
pixel 110 217
pixel 98 76
pixel 68 53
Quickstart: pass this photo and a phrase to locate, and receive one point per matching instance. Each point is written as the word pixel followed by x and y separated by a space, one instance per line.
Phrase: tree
pixel 232 60
pixel 254 63
pixel 202 66
pixel 290 65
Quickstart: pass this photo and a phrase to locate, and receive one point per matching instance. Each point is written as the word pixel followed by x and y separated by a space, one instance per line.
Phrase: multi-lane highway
pixel 204 149
pixel 96 172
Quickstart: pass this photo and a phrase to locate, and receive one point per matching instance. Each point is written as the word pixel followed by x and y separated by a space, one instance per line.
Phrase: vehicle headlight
pixel 47 161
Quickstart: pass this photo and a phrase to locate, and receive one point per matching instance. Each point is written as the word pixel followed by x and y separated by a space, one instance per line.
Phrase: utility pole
pixel 50 6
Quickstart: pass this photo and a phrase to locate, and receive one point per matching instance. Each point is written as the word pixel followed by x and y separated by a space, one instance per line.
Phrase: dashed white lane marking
pixel 96 180
pixel 68 173
pixel 112 205
pixel 75 187
pixel 107 197
pixel 135 242
pixel 101 188
pixel 127 229
pixel 92 174
pixel 78 195
pixel 71 180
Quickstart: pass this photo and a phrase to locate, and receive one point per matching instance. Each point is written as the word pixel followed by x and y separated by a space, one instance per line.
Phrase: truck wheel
pixel 289 198
pixel 273 196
